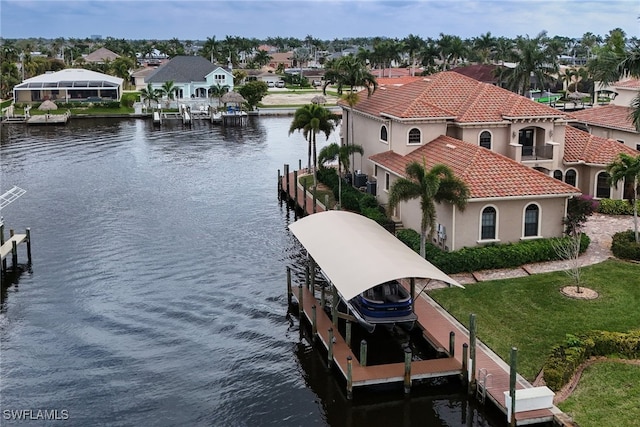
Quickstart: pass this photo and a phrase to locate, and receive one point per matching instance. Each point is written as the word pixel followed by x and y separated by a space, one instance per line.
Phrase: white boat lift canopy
pixel 356 253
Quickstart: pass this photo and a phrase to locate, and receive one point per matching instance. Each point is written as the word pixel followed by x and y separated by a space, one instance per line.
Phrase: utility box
pixel 360 180
pixel 371 187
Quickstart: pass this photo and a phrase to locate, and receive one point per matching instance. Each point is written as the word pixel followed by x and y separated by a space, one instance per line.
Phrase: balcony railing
pixel 537 152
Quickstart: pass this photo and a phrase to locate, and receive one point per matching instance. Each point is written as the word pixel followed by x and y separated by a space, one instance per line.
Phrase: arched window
pixel 603 190
pixel 488 225
pixel 414 136
pixel 383 134
pixel 557 174
pixel 531 220
pixel 571 177
pixel 485 139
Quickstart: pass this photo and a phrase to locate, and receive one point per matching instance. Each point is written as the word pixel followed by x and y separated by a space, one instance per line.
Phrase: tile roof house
pixel 191 75
pixel 101 56
pixel 613 120
pixel 520 159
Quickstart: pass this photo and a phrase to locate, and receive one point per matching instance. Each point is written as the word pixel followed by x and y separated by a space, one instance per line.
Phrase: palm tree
pixel 334 151
pixel 150 94
pixel 217 90
pixel 535 58
pixel 312 119
pixel 627 168
pixel 438 184
pixel 168 90
pixel 413 45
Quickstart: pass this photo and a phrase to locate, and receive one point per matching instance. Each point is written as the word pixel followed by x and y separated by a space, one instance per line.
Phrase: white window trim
pixel 382 140
pixel 490 133
pixel 495 239
pixel 595 187
pixel 564 178
pixel 524 210
pixel 415 143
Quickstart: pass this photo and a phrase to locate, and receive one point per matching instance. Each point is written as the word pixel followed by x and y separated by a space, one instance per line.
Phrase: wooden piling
pixel 407 370
pixel 14 254
pixel 334 307
pixel 347 334
pixel 299 164
pixel 289 291
pixel 314 322
pixel 330 349
pixel 304 198
pixel 452 343
pixel 306 276
pixel 513 361
pixel 295 188
pixel 472 352
pixel 322 296
pixel 312 282
pixel 286 175
pixel 349 377
pixel 465 363
pixel 412 283
pixel 300 304
pixel 363 353
pixel 29 245
pixel 279 183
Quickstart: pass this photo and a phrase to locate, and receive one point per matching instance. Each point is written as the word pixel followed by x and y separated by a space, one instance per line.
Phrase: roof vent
pixel 451 146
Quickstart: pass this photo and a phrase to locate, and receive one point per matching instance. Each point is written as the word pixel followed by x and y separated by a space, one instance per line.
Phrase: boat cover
pixel 355 253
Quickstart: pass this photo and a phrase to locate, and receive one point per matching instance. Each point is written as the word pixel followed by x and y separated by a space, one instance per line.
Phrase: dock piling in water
pixel 407 370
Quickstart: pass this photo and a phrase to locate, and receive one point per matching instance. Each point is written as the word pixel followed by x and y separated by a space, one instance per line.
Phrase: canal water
pixel 157 290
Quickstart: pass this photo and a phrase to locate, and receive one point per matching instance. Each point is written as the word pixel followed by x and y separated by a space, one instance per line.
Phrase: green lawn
pixel 607 395
pixel 531 314
pixel 320 193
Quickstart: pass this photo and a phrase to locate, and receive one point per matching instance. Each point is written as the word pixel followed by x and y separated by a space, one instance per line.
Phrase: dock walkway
pixel 7 247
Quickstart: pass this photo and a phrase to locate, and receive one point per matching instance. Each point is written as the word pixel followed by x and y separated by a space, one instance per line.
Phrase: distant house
pixel 281 59
pixel 101 56
pixel 139 77
pixel 71 84
pixel 192 76
pixel 613 120
pixel 484 73
pixel 520 159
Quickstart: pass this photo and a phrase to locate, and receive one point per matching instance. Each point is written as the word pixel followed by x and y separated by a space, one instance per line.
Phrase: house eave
pixel 417 119
pixel 527 197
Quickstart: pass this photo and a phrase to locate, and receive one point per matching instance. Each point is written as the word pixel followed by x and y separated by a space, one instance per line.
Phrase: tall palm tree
pixel 535 58
pixel 334 151
pixel 626 168
pixel 149 93
pixel 217 90
pixel 312 119
pixel 413 45
pixel 432 186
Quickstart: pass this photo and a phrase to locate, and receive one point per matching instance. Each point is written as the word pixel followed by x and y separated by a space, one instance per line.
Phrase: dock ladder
pixel 484 379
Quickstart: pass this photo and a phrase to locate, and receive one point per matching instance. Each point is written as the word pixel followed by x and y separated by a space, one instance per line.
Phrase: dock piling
pixel 407 370
pixel 314 322
pixel 295 183
pixel 286 174
pixel 349 377
pixel 29 245
pixel 472 352
pixel 289 291
pixel 363 353
pixel 465 363
pixel 512 384
pixel 304 199
pixel 347 334
pixel 452 343
pixel 330 349
pixel 14 254
pixel 300 304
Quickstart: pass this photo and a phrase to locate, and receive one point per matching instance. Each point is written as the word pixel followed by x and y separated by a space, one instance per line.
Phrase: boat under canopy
pixel 355 253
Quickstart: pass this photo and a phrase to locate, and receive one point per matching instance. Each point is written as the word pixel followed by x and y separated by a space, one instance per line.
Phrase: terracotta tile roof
pixel 609 116
pixel 631 84
pixel 450 94
pixel 481 72
pixel 396 81
pixel 580 146
pixel 487 174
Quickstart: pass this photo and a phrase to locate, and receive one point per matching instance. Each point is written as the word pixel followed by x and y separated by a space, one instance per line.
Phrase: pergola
pixel 72 84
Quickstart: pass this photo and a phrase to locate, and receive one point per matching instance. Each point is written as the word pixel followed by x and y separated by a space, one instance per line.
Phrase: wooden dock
pixel 49 119
pixel 290 189
pixel 11 247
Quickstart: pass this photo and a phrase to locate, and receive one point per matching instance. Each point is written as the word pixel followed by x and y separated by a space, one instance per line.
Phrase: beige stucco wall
pixel 631 139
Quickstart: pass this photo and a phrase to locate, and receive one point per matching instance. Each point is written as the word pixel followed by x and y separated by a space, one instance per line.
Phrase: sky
pixel 321 19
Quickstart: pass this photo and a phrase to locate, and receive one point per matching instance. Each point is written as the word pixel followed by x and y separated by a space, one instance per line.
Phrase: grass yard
pixel 321 192
pixel 607 396
pixel 531 314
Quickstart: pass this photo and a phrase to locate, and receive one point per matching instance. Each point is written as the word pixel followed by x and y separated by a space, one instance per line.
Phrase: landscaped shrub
pixel 624 245
pixel 566 358
pixel 128 99
pixel 488 257
pixel 617 207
